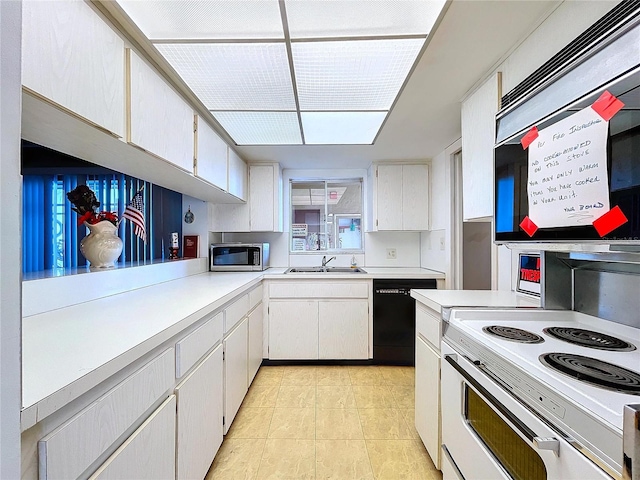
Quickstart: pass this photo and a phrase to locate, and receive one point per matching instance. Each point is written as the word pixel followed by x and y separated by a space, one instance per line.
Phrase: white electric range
pixel 564 400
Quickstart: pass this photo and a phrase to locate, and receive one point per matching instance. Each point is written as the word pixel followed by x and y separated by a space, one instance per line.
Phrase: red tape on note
pixel 610 221
pixel 607 105
pixel 528 226
pixel 529 137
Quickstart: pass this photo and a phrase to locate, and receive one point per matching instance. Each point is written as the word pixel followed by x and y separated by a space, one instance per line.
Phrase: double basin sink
pixel 325 270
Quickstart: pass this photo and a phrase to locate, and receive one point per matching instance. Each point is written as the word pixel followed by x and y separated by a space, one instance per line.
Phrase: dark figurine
pixel 83 199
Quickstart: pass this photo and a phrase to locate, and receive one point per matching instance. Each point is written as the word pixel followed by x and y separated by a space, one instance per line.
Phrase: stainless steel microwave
pixel 238 257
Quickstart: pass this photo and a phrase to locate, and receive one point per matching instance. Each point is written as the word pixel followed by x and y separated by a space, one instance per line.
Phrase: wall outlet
pixel 391 254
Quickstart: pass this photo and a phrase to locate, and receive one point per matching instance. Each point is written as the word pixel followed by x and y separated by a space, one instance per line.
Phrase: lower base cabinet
pixel 255 343
pixel 149 453
pixel 293 330
pixel 343 330
pixel 199 417
pixel 428 398
pixel 235 371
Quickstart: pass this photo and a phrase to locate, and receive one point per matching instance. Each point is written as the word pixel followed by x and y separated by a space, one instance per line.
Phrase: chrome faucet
pixel 325 261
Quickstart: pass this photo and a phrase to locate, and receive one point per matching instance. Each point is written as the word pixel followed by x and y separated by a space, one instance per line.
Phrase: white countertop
pixel 371 272
pixel 438 299
pixel 68 351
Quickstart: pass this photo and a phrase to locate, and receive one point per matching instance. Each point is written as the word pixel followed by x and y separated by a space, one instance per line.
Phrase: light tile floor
pixel 316 422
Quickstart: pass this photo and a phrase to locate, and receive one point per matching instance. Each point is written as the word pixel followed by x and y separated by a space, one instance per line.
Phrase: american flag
pixel 135 213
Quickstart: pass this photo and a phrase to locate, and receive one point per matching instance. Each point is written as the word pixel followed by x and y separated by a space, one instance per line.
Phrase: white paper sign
pixel 299 230
pixel 568 180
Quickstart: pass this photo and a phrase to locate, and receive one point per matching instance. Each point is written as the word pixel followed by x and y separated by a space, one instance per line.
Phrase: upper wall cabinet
pixel 237 175
pixel 478 138
pixel 159 120
pixel 263 210
pixel 211 156
pixel 401 197
pixel 73 58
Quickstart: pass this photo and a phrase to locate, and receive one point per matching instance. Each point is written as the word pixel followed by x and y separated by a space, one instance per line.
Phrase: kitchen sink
pixel 325 270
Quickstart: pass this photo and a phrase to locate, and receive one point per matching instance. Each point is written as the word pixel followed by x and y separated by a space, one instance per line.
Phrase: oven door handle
pixel 541 443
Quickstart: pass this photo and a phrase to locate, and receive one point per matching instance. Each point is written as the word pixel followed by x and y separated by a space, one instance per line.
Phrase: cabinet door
pixel 235 371
pixel 261 198
pixel 343 330
pixel 428 398
pixel 149 453
pixel 72 57
pixel 293 330
pixel 160 121
pixel 211 156
pixel 237 176
pixel 415 197
pixel 255 342
pixel 478 135
pixel 389 197
pixel 199 398
pixel 229 217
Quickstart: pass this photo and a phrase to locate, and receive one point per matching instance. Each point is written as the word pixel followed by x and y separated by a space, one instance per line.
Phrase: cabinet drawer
pixel 429 325
pixel 306 289
pixel 193 347
pixel 255 296
pixel 71 448
pixel 235 312
pixel 149 453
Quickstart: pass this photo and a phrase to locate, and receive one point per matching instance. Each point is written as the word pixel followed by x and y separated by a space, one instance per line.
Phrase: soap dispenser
pixel 354 262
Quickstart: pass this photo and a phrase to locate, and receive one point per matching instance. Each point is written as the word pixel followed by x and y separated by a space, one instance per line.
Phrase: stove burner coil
pixel 589 338
pixel 594 372
pixel 513 334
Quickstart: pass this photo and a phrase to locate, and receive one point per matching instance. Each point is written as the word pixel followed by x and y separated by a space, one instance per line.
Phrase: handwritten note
pixel 568 181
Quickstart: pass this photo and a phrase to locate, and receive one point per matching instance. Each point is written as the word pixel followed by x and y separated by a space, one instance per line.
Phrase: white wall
pixel 200 225
pixel 10 225
pixel 432 253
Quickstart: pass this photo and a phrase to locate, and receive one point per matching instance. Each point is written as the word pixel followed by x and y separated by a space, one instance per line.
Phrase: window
pixel 51 234
pixel 326 215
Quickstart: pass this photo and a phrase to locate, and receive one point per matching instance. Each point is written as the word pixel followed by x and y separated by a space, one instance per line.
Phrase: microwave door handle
pixel 541 443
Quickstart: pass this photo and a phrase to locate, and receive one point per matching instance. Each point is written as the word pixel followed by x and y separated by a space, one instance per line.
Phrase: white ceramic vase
pixel 102 246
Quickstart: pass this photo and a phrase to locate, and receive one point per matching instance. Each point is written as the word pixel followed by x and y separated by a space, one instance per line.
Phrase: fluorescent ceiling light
pixel 234 76
pixel 361 18
pixel 206 19
pixel 261 128
pixel 349 60
pixel 348 128
pixel 353 75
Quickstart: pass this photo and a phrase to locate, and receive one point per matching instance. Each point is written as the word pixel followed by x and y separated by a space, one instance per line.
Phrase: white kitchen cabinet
pixel 263 210
pixel 428 398
pixel 237 175
pixel 401 197
pixel 478 139
pixel 73 58
pixel 211 156
pixel 159 120
pixel 149 453
pixel 235 371
pixel 343 330
pixel 199 417
pixel 293 330
pixel 255 342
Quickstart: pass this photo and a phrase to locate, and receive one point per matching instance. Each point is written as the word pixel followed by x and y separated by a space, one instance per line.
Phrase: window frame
pixel 327 181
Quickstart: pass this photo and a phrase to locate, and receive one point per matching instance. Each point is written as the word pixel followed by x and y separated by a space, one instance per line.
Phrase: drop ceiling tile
pixel 261 128
pixel 234 76
pixel 341 128
pixel 352 75
pixel 355 18
pixel 206 19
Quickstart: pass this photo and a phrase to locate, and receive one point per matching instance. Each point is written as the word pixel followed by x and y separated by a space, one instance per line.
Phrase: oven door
pixel 487 433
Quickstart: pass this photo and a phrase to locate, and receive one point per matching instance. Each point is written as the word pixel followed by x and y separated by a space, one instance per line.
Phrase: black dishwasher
pixel 394 320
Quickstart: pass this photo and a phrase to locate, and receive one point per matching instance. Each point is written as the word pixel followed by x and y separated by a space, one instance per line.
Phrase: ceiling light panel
pixel 234 76
pixel 261 128
pixel 207 19
pixel 352 75
pixel 341 128
pixel 358 18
